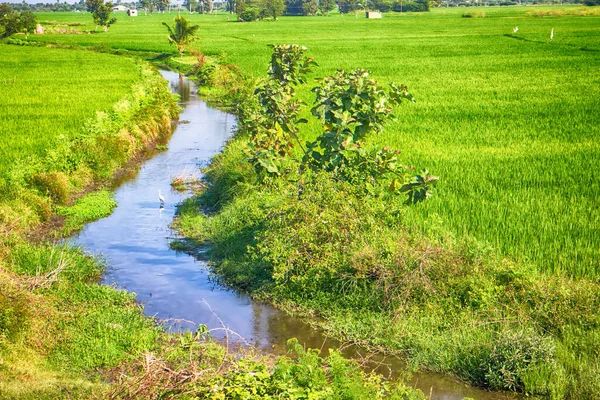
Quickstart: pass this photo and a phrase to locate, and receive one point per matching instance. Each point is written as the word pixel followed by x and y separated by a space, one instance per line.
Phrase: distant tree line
pixel 199 6
pixel 49 7
pixel 475 3
pixel 12 22
pixel 250 10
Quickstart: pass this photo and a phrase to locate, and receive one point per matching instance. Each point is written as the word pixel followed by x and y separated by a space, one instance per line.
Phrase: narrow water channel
pixel 177 288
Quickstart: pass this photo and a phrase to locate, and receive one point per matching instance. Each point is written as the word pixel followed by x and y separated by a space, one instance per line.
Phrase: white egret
pixel 515 29
pixel 552 34
pixel 161 198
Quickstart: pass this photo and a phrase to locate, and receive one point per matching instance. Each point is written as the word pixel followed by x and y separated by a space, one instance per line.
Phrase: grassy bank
pixel 69 120
pixel 314 241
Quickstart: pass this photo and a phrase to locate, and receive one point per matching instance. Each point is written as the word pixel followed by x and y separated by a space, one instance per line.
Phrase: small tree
pixel 310 7
pixel 181 33
pixel 326 6
pixel 162 5
pixel 101 13
pixel 274 8
pixel 147 5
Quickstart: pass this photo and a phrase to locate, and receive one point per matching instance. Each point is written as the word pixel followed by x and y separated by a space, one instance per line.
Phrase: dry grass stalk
pixel 46 280
pixel 188 179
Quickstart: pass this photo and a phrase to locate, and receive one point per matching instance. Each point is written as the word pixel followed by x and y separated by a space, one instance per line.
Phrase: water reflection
pixel 177 288
pixel 182 87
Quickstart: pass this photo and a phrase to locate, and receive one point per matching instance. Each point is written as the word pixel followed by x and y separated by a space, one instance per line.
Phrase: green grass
pixel 91 207
pixel 48 94
pixel 509 121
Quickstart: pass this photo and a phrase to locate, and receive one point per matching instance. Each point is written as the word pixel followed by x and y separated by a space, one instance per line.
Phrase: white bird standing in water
pixel 552 34
pixel 161 198
pixel 515 29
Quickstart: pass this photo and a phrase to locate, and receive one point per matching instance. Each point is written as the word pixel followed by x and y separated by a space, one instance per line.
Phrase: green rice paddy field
pixel 510 122
pixel 46 95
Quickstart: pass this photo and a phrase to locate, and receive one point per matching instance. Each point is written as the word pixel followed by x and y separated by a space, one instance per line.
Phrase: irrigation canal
pixel 177 288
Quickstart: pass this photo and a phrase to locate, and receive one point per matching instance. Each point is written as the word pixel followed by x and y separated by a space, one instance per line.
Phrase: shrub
pixel 12 22
pixel 249 14
pixel 270 114
pixel 511 355
pixel 473 14
pixel 350 106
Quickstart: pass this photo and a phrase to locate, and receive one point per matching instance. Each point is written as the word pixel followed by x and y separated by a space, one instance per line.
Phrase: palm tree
pixel 182 33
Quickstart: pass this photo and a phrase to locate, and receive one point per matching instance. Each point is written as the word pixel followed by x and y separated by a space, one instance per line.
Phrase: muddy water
pixel 177 288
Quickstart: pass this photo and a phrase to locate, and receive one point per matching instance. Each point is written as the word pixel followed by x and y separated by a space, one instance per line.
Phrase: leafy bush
pixel 12 22
pixel 350 106
pixel 249 14
pixel 270 114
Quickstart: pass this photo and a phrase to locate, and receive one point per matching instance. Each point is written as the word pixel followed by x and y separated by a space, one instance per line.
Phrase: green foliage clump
pixel 252 10
pixel 307 375
pixel 181 33
pixel 246 376
pixel 101 12
pixel 249 13
pixel 91 207
pixel 12 22
pixel 349 106
pixel 310 7
pixel 273 8
pixel 270 114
